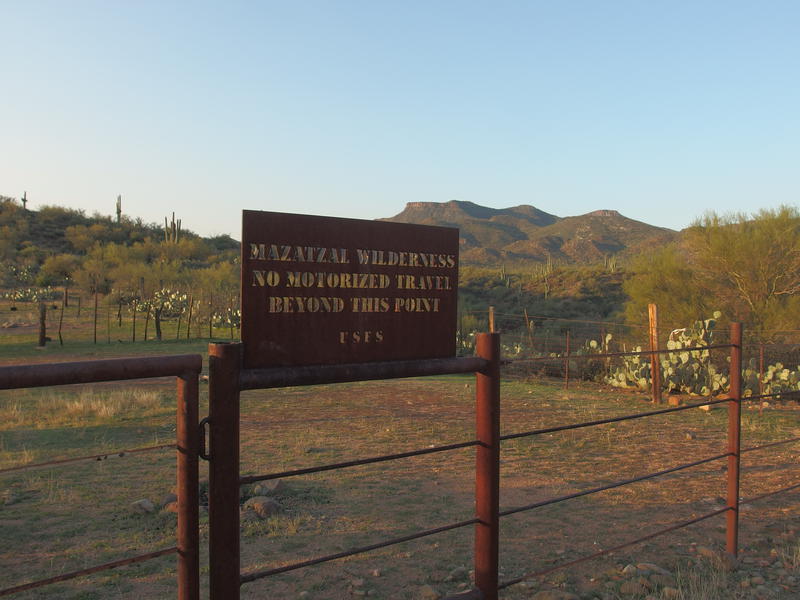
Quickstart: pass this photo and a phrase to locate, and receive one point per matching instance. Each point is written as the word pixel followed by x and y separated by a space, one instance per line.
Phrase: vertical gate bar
pixel 734 442
pixel 487 466
pixel 188 488
pixel 224 363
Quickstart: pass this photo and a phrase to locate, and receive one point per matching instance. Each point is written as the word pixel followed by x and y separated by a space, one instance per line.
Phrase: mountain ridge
pixel 524 232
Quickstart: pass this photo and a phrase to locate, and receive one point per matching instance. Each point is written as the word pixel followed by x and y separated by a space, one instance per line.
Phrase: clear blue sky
pixel 661 110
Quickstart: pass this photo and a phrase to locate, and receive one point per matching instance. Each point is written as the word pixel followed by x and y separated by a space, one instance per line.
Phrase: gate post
pixel 734 443
pixel 188 489
pixel 224 365
pixel 487 466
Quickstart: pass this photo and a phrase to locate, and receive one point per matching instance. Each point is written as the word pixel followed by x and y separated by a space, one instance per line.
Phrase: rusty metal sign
pixel 324 290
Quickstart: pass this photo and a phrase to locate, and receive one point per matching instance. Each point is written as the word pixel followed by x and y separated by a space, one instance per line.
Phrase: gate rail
pixel 186 368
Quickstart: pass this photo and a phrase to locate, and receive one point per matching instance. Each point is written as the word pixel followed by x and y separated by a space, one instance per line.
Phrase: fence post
pixel 94 326
pixel 42 324
pixel 528 329
pixel 655 362
pixel 761 377
pixel 224 364
pixel 60 323
pixel 487 466
pixel 491 319
pixel 188 489
pixel 734 447
pixel 566 362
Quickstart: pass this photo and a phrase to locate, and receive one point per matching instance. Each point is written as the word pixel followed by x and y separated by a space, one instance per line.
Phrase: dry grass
pixel 56 408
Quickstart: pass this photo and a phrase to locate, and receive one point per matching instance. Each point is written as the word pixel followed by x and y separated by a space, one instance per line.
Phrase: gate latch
pixel 202 437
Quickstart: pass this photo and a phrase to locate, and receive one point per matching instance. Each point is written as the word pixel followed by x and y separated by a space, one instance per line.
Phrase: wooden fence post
pixel 655 361
pixel 189 321
pixel 528 329
pixel 566 362
pixel 61 321
pixel 761 377
pixel 94 327
pixel 42 324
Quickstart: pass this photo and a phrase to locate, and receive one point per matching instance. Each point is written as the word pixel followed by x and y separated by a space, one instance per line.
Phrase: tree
pixel 58 269
pixel 753 264
pixel 666 278
pixel 746 266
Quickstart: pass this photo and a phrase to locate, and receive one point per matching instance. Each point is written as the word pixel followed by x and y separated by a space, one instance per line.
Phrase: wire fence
pixel 227 379
pixel 488 452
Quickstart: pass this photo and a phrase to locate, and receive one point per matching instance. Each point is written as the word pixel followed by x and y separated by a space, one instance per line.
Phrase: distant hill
pixel 524 232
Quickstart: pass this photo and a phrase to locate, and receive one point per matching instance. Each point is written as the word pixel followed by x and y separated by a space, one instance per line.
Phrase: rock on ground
pixel 143 506
pixel 261 505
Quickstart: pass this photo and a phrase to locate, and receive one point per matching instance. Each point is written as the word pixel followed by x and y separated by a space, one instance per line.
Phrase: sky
pixel 660 110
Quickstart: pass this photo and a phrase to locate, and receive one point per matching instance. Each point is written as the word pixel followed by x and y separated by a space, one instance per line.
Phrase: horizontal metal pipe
pixel 774 395
pixel 612 354
pixel 589 557
pixel 89 571
pixel 247 578
pixel 768 494
pixel 473 594
pixel 356 463
pixel 112 369
pixel 252 379
pixel 513 436
pixel 104 456
pixel 770 445
pixel 610 486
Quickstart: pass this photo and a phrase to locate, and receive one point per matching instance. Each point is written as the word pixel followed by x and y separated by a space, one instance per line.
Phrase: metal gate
pixel 227 379
pixel 186 369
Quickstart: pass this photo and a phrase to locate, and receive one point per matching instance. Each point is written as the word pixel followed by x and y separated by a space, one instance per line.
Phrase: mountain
pixel 490 235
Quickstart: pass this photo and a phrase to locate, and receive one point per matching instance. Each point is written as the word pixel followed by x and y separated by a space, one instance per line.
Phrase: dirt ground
pixel 331 512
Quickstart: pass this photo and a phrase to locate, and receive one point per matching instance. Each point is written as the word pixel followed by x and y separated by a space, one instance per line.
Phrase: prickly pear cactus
pixel 633 373
pixel 686 370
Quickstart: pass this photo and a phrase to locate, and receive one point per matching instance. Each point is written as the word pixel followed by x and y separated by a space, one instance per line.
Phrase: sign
pixel 323 290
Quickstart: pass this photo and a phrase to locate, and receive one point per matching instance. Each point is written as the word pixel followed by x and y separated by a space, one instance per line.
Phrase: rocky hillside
pixel 490 235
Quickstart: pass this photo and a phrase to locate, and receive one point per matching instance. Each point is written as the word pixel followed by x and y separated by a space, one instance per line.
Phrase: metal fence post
pixel 188 489
pixel 487 466
pixel 224 362
pixel 734 442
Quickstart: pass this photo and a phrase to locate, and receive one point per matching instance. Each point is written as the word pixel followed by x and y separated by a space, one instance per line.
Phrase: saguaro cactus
pixel 172 230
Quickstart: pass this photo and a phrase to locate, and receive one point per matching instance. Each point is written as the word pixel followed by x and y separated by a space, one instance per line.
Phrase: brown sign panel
pixel 323 290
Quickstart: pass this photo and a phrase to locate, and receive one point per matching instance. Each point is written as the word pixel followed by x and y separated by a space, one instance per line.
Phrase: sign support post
pixel 224 364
